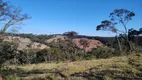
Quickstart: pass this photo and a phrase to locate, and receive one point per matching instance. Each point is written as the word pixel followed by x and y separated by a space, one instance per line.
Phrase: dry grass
pixel 61 71
pixel 40 66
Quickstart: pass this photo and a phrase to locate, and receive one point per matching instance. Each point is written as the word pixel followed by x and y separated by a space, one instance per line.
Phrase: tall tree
pixel 122 16
pixel 107 25
pixel 11 15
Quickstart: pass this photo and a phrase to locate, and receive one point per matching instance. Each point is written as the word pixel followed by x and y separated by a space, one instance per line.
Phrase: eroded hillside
pixel 28 43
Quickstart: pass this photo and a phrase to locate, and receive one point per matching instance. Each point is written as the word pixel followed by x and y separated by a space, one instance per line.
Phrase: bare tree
pixel 14 17
pixel 11 15
pixel 3 10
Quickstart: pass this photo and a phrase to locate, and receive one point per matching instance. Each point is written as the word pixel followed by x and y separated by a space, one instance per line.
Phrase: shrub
pixel 8 51
pixel 102 52
pixel 27 57
pixel 48 55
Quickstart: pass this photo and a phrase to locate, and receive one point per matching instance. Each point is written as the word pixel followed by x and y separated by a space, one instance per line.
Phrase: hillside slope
pixel 82 43
pixel 116 68
pixel 29 43
pixel 24 43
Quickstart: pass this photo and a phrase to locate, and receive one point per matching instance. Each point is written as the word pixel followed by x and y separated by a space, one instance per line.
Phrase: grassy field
pixel 116 68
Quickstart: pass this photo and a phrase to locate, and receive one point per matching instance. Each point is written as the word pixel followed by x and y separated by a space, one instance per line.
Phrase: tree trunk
pixel 120 48
pixel 126 34
pixel 6 26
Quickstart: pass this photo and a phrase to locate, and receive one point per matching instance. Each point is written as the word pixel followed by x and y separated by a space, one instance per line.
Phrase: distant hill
pixel 44 41
pixel 26 41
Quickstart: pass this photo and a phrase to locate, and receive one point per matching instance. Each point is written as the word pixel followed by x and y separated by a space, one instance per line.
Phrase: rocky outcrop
pixel 24 43
pixel 56 39
pixel 36 45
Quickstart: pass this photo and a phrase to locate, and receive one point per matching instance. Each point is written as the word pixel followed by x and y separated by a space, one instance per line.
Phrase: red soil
pixel 89 44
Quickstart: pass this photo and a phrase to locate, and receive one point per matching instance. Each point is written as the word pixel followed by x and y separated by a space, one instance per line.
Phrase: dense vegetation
pixel 60 51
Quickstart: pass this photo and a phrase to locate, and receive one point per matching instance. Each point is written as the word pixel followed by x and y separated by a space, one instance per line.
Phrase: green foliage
pixel 60 51
pixel 26 57
pixel 70 34
pixel 68 48
pixel 8 51
pixel 56 55
pixel 102 52
pixel 121 16
pixel 49 55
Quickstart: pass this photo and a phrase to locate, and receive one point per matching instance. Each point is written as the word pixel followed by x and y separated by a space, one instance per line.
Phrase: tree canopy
pixel 122 16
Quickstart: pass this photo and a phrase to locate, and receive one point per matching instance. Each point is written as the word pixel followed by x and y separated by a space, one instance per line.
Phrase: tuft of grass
pixel 116 68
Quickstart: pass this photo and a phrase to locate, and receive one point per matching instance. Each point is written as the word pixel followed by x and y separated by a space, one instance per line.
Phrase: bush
pixel 56 55
pixel 49 55
pixel 8 52
pixel 27 57
pixel 102 52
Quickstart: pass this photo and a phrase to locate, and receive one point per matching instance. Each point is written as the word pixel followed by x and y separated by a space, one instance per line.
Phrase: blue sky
pixel 82 16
